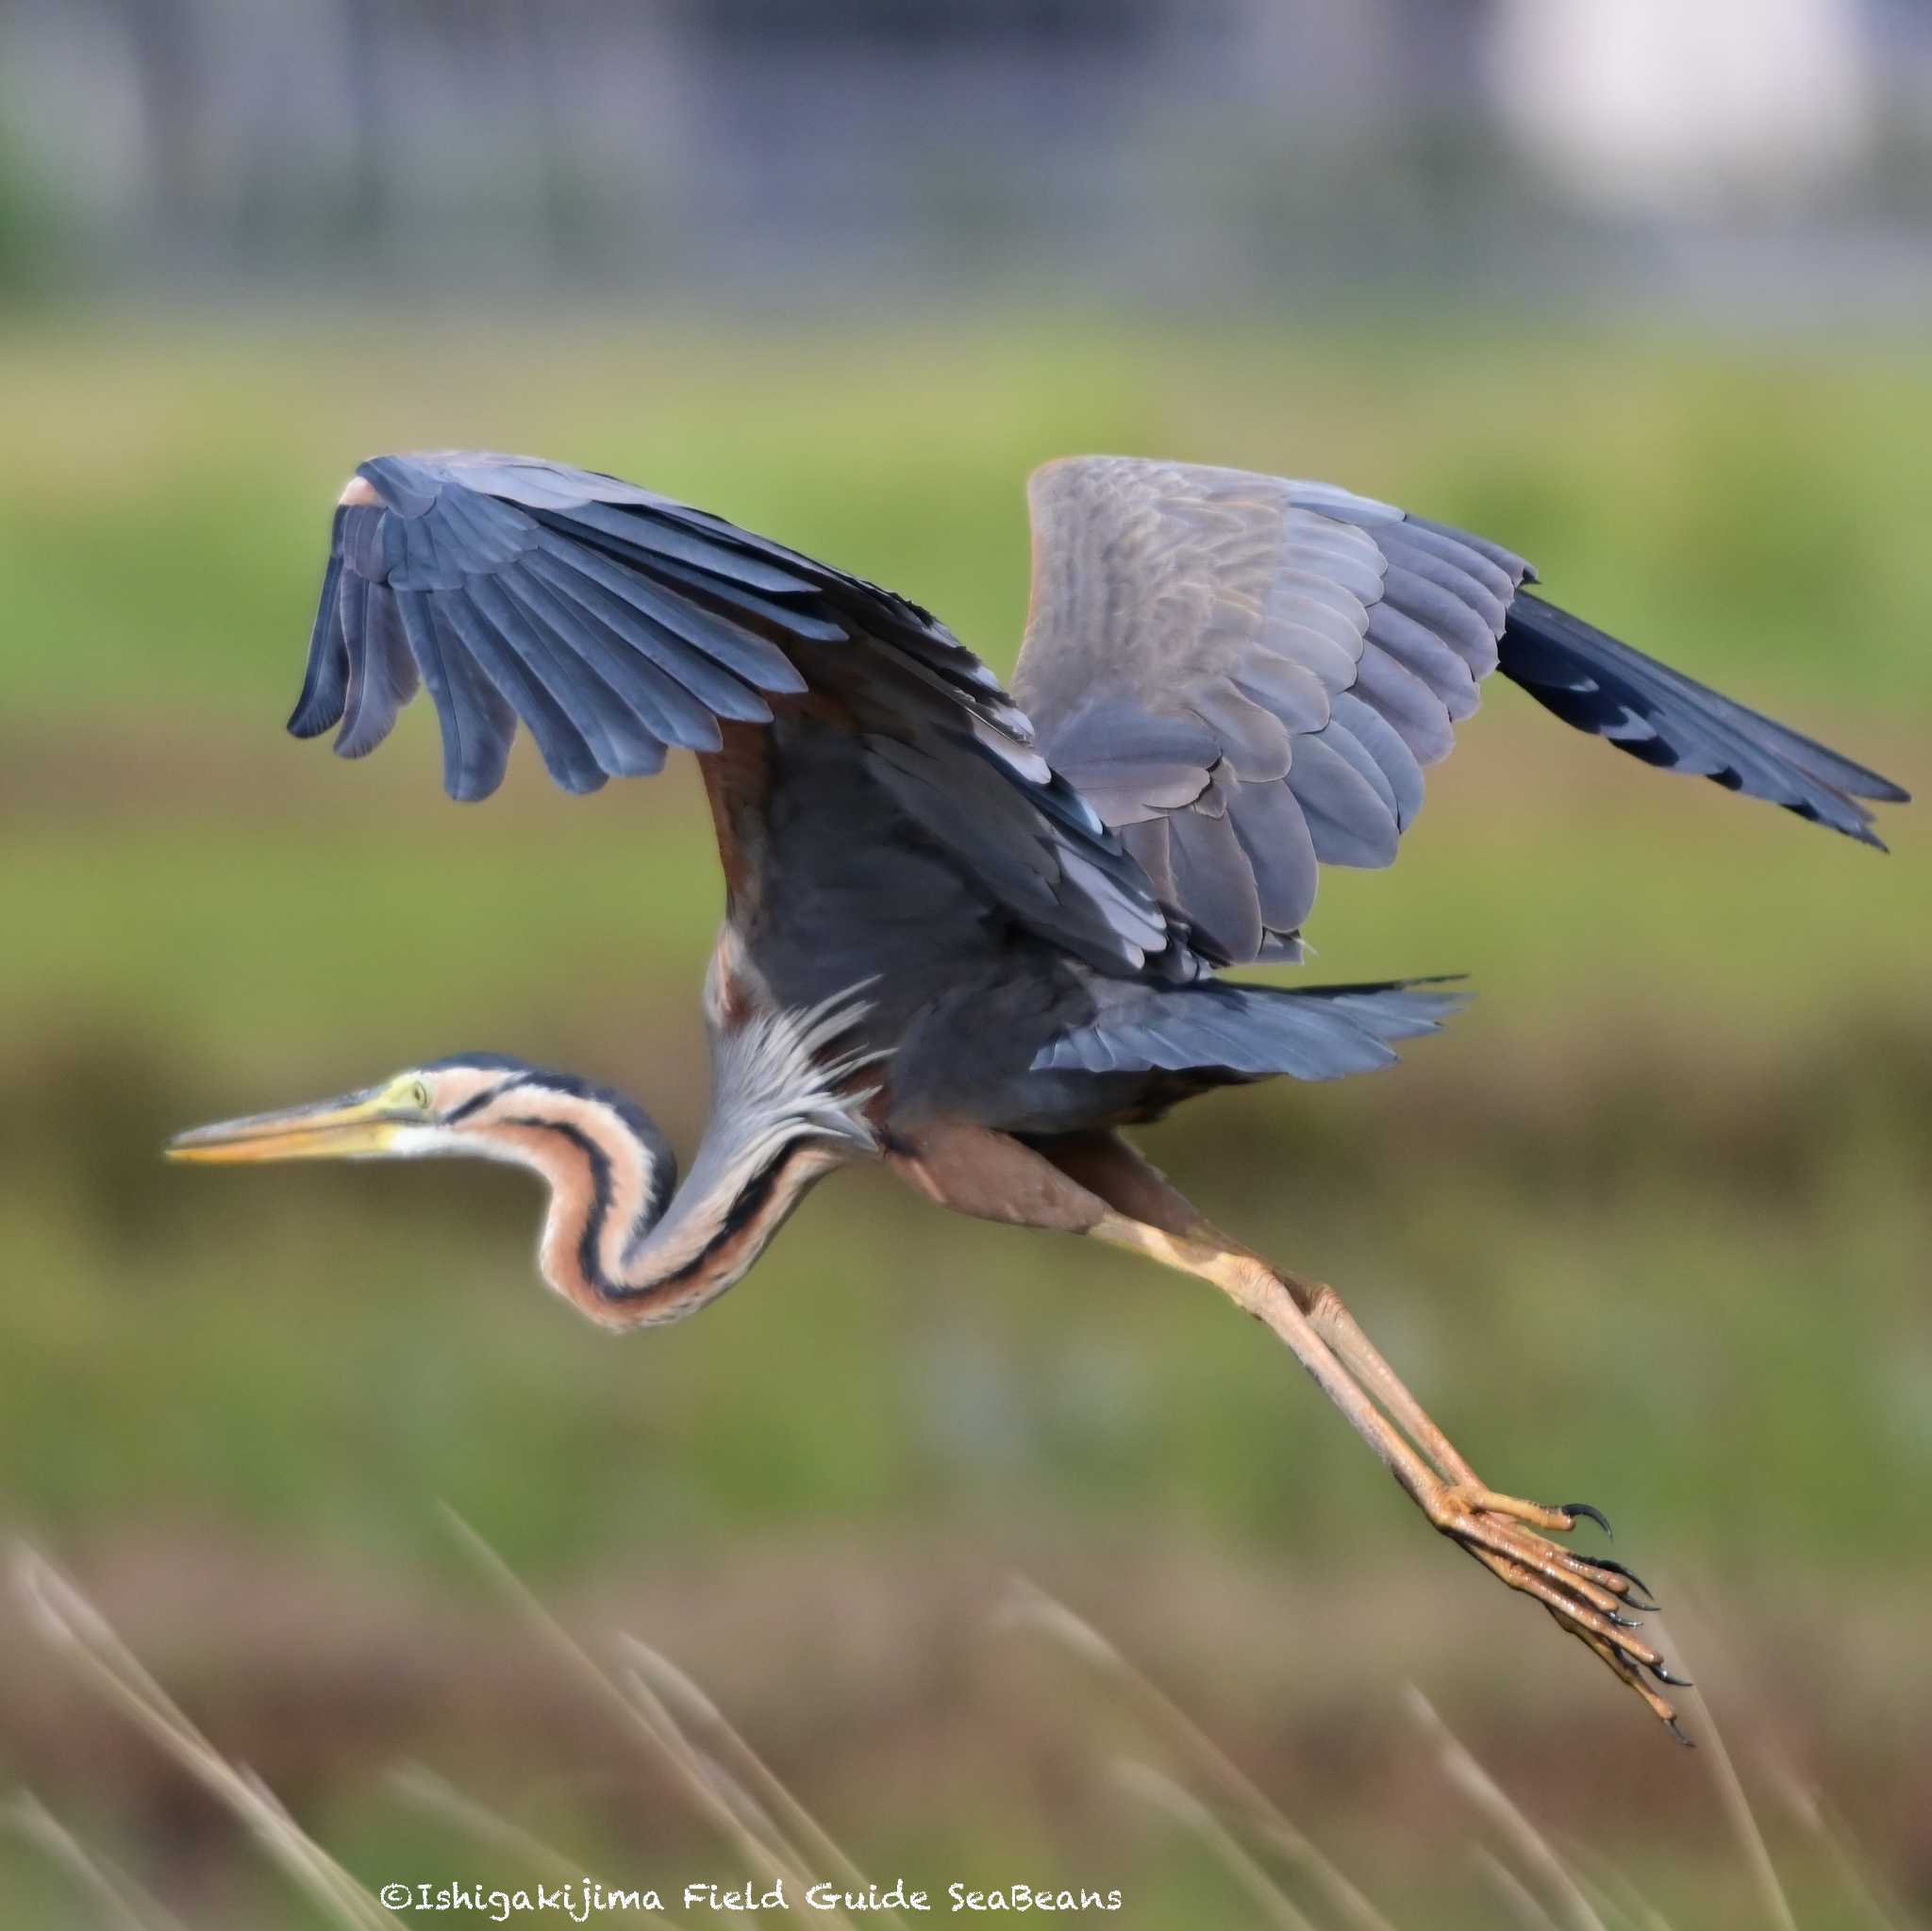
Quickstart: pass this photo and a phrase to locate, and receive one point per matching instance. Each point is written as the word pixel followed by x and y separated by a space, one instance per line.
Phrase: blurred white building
pixel 1687 106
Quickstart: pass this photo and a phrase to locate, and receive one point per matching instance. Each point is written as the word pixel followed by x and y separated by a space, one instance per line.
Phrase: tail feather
pixel 1653 712
pixel 1312 1032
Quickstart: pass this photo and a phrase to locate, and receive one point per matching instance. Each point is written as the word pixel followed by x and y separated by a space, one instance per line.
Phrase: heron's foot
pixel 1592 1600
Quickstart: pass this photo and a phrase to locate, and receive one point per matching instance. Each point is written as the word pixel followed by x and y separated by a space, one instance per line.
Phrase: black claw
pixel 1595 1515
pixel 1633 1579
pixel 1676 1729
pixel 1635 1599
pixel 1663 1676
pixel 1624 1622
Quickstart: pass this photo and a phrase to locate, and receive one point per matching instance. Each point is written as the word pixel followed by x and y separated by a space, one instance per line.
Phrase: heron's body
pixel 967 936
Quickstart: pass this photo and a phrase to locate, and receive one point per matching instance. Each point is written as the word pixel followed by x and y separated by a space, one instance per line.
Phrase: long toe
pixel 1590 1599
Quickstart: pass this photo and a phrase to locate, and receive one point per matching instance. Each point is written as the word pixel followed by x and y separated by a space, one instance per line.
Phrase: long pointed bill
pixel 357 1127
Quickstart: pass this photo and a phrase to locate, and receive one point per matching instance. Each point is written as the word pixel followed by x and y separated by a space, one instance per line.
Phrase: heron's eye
pixel 419 1095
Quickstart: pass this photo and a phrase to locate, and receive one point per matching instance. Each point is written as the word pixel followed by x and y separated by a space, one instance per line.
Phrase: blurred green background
pixel 1648 1224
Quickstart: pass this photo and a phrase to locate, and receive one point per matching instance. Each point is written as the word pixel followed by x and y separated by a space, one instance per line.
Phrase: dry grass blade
pixel 1563 1897
pixel 1028 1605
pixel 1612 1887
pixel 1816 1814
pixel 1188 1809
pixel 423 1790
pixel 1737 1806
pixel 1605 1905
pixel 697 1711
pixel 732 1810
pixel 72 1624
pixel 1517 1897
pixel 735 1812
pixel 126 1905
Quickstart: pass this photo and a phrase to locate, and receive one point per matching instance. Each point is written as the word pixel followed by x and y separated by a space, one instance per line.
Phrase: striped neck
pixel 621 1241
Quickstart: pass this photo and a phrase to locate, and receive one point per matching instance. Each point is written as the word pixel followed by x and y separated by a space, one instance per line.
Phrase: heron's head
pixel 476 1103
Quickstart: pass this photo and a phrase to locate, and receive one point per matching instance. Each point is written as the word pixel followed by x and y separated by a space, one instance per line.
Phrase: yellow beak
pixel 358 1125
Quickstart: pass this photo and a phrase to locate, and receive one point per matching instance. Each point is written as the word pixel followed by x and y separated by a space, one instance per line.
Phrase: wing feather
pixel 1249 1032
pixel 1351 823
pixel 1399 769
pixel 326 679
pixel 619 743
pixel 1223 899
pixel 608 635
pixel 478 725
pixel 615 623
pixel 1418 650
pixel 1323 649
pixel 566 756
pixel 1274 832
pixel 1260 629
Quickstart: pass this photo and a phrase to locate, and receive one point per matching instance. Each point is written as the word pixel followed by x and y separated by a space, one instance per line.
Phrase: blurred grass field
pixel 1648 1224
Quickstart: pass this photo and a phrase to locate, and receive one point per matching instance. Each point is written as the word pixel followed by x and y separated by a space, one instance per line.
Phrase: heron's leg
pixel 1121 1175
pixel 1332 1321
pixel 1149 1216
pixel 1586 1598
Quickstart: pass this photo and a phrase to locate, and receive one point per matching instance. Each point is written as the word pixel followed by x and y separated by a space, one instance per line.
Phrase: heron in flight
pixel 970 934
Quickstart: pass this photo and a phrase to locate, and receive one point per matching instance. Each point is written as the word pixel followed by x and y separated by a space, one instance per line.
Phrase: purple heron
pixel 973 935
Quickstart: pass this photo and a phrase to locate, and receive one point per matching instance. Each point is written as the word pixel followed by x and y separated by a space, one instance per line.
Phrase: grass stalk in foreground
pixel 1156 1788
pixel 1559 1896
pixel 1029 1606
pixel 124 1906
pixel 1738 1811
pixel 631 1695
pixel 74 1626
pixel 435 1796
pixel 777 1838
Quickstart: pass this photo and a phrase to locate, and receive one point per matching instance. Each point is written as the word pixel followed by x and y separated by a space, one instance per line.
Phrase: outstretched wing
pixel 617 624
pixel 1247 676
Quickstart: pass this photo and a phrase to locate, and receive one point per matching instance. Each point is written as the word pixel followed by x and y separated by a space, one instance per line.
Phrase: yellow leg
pixel 1502 1532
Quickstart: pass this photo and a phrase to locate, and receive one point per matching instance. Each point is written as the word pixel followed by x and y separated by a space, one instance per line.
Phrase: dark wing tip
pixel 1650 711
pixel 307 720
pixel 326 676
pixel 1886 791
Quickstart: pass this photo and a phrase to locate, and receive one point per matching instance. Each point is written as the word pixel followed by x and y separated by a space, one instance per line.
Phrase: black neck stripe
pixel 600 1199
pixel 481 1100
